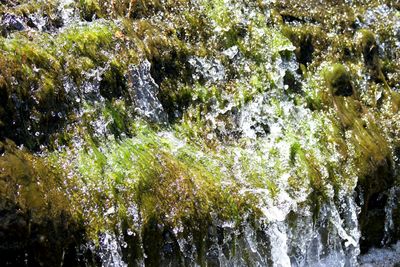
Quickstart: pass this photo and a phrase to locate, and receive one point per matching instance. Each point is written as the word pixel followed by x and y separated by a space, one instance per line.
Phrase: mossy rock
pixel 134 9
pixel 36 105
pixel 36 225
pixel 43 78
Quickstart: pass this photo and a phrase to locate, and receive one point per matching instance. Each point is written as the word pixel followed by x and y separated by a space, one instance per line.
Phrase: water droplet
pixel 129 232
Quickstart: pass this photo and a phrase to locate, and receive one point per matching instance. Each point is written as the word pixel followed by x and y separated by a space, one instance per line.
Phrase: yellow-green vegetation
pixel 339 81
pixel 265 101
pixel 32 184
pixel 35 100
pixel 28 7
pixel 174 184
pixel 36 213
pixel 92 9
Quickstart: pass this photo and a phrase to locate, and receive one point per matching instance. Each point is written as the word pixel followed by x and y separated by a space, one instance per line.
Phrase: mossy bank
pixel 211 133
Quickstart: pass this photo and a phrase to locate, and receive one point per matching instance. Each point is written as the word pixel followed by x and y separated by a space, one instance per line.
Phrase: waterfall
pixel 199 133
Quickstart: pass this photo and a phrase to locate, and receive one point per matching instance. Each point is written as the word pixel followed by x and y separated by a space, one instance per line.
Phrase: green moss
pixel 30 85
pixel 87 41
pixel 370 52
pixel 32 78
pixel 294 150
pixel 339 81
pixel 31 183
pixel 170 187
pixel 369 48
pixel 303 39
pixel 116 113
pixel 36 212
pixel 26 8
pixel 89 9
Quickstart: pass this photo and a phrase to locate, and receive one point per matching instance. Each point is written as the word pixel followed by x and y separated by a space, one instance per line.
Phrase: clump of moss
pixel 37 224
pixel 370 52
pixel 90 9
pixel 339 81
pixel 35 102
pixel 31 89
pixel 30 184
pixel 303 40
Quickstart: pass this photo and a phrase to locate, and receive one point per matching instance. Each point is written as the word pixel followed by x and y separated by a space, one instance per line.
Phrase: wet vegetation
pixel 174 127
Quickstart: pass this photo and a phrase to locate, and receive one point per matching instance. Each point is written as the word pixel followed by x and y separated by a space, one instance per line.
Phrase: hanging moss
pixel 370 52
pixel 36 104
pixel 323 133
pixel 339 80
pixel 303 40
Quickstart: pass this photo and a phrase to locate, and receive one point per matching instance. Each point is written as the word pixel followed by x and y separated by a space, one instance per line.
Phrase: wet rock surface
pixel 374 191
pixel 31 242
pixel 193 133
pixel 381 257
pixel 144 92
pixel 10 23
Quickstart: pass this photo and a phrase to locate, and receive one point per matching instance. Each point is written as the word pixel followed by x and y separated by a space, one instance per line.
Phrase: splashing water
pixel 263 165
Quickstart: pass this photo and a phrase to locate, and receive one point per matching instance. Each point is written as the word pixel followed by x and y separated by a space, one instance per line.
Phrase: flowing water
pixel 200 133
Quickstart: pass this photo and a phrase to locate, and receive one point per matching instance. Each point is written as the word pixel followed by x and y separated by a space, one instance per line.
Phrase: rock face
pixel 10 23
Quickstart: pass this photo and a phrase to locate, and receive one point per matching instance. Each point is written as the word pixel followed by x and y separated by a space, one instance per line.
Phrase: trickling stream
pixel 199 133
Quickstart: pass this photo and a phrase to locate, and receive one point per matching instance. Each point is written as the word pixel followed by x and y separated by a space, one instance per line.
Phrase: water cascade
pixel 199 133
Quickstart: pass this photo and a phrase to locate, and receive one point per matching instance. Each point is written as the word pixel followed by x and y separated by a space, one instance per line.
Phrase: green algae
pixel 37 217
pixel 345 138
pixel 168 186
pixel 31 184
